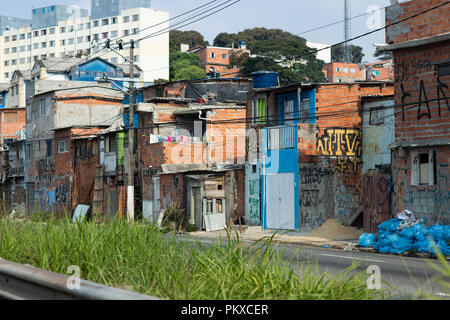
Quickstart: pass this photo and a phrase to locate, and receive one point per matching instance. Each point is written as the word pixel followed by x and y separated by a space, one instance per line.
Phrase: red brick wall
pixel 8 129
pixel 333 74
pixel 338 105
pixel 171 190
pixel 63 161
pixel 426 25
pixel 219 63
pixel 228 143
pixel 417 75
pixel 419 120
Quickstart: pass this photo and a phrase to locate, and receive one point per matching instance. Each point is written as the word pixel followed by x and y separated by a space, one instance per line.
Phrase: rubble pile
pixel 333 230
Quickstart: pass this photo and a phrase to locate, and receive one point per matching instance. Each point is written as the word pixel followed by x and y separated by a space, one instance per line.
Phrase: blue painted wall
pixel 279 161
pixel 4 99
pixel 306 94
pixel 135 121
pixel 138 98
pixel 95 68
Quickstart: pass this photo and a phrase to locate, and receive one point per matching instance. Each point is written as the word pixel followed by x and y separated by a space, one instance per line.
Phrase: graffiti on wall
pixel 376 201
pixel 314 180
pixel 431 203
pixel 344 144
pixel 405 71
pixel 61 194
pixel 313 220
pixel 311 175
pixel 346 202
pixel 253 201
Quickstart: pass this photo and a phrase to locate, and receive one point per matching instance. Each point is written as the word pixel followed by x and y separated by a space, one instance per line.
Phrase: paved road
pixel 402 276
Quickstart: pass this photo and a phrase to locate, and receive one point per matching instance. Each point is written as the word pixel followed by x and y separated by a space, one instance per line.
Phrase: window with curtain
pixel 289 112
pixel 259 111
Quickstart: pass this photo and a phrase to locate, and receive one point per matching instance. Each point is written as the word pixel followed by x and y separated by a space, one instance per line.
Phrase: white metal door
pixel 280 201
pixel 214 214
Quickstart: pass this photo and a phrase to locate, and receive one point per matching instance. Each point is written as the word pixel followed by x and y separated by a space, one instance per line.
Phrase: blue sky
pixel 294 16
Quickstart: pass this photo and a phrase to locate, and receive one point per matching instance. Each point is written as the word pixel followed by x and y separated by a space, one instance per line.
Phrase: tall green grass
pixel 120 254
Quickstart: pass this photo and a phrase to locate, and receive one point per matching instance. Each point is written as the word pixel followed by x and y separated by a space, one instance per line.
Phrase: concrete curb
pixel 339 245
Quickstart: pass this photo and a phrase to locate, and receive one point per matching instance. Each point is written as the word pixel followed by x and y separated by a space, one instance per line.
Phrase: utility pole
pixel 347 31
pixel 130 167
pixel 131 157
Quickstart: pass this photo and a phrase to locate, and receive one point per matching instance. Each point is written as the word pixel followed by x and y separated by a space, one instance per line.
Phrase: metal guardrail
pixel 24 282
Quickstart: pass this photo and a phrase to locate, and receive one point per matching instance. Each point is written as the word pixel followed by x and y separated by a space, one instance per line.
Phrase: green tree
pixel 250 36
pixel 192 38
pixel 184 66
pixel 337 53
pixel 275 50
pixel 383 55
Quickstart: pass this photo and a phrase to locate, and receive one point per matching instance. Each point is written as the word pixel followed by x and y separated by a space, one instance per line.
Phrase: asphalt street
pixel 403 277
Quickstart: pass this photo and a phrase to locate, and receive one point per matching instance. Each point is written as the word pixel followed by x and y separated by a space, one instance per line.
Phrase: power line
pixel 176 17
pixel 341 21
pixel 382 28
pixel 152 26
pixel 158 33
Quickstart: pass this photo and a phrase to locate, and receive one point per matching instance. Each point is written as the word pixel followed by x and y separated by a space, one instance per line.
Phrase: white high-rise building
pixel 63 31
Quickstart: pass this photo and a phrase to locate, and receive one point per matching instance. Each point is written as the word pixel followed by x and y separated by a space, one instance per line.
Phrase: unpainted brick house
pixel 304 153
pixel 421 150
pixel 54 120
pixel 191 142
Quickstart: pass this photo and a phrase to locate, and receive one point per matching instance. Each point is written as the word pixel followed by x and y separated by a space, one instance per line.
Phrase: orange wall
pixel 9 128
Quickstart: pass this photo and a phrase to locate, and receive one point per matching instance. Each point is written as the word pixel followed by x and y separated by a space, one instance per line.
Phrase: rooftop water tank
pixel 264 79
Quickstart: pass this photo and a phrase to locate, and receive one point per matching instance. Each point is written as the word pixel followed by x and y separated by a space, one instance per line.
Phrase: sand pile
pixel 333 230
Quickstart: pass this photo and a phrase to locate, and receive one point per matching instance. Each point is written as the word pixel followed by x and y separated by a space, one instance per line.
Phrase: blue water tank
pixel 264 79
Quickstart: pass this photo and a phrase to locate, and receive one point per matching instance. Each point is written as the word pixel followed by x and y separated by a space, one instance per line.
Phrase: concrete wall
pixel 378 131
pixel 429 24
pixel 316 194
pixel 426 201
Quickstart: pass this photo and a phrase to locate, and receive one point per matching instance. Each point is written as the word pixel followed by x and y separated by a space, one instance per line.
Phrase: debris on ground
pixel 400 236
pixel 333 230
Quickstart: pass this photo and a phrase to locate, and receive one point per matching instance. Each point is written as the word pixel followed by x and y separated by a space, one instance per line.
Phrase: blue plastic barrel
pixel 265 79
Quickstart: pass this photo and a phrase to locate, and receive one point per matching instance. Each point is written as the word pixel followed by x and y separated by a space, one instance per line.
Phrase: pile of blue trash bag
pixel 399 236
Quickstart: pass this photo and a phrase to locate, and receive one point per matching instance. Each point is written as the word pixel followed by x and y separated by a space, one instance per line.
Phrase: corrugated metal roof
pixel 54 64
pixel 197 168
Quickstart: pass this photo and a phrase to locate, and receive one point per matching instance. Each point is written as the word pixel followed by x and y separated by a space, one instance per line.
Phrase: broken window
pixel 376 116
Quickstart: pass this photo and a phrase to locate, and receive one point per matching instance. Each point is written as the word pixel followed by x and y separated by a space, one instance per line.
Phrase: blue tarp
pixel 392 239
